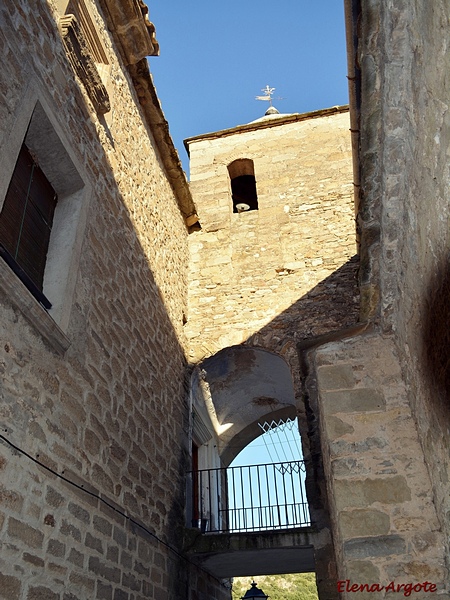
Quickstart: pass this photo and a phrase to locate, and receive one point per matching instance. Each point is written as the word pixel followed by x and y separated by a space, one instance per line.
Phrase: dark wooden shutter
pixel 27 216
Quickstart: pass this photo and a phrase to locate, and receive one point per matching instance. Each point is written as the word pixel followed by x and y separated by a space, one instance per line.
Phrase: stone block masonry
pixel 285 271
pixel 109 413
pixel 383 398
pixel 385 523
pixel 77 544
pixel 405 206
pixel 95 390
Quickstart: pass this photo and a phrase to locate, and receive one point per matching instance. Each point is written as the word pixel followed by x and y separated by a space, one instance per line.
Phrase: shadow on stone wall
pixel 436 333
pixel 331 305
pixel 115 410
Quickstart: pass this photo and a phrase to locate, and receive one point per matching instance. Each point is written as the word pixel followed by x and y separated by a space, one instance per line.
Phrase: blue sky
pixel 215 57
pixel 281 444
pixel 268 488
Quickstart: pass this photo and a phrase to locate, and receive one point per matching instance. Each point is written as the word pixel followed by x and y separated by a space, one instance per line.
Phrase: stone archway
pixel 245 385
pixel 238 387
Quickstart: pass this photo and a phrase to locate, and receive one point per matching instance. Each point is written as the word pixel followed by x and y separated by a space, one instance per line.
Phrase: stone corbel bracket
pixel 128 20
pixel 83 64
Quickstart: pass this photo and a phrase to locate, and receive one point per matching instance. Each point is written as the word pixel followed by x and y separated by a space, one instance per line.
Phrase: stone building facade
pixel 381 392
pixel 299 303
pixel 401 105
pixel 94 414
pixel 263 279
pixel 150 319
pixel 251 272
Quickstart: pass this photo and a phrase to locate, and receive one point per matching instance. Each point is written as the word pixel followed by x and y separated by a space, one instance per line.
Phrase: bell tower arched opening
pixel 243 185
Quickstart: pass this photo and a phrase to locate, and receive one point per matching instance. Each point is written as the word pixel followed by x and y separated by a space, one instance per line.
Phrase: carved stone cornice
pixel 129 23
pixel 83 64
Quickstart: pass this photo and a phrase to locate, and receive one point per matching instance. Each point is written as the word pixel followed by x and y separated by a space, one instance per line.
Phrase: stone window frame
pixel 36 125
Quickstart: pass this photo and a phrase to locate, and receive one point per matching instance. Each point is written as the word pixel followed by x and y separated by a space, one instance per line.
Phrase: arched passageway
pixel 233 392
pixel 239 387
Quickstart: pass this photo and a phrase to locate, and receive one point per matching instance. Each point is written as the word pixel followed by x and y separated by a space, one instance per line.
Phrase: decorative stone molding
pixel 83 63
pixel 128 21
pixel 83 13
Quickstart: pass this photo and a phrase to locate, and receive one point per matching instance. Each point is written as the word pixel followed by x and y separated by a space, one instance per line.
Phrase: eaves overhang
pixel 132 30
pixel 267 123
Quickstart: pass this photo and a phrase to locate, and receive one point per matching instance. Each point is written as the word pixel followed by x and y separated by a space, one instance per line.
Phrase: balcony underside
pixel 245 554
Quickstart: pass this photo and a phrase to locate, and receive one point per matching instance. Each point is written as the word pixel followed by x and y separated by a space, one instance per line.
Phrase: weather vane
pixel 267 91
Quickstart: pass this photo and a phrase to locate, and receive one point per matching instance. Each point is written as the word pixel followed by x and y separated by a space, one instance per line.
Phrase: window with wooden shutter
pixel 26 222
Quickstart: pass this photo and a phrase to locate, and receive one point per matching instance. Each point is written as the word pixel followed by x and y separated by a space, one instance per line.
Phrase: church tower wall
pixel 285 270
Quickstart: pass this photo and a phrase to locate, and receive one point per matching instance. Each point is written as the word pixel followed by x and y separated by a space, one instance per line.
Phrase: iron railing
pixel 250 498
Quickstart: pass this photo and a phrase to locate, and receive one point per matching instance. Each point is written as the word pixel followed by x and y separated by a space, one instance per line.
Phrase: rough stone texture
pixel 359 570
pixel 364 522
pixel 284 272
pixel 377 479
pixel 270 277
pixel 9 587
pixel 405 141
pixel 134 31
pixel 101 399
pixel 374 547
pixel 353 401
pixel 110 414
pixel 337 377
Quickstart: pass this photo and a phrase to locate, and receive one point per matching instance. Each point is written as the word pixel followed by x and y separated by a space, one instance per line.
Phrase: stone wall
pixel 381 397
pixel 405 145
pixel 94 426
pixel 272 276
pixel 384 520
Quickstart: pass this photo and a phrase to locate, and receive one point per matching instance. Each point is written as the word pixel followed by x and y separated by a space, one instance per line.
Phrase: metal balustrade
pixel 250 498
